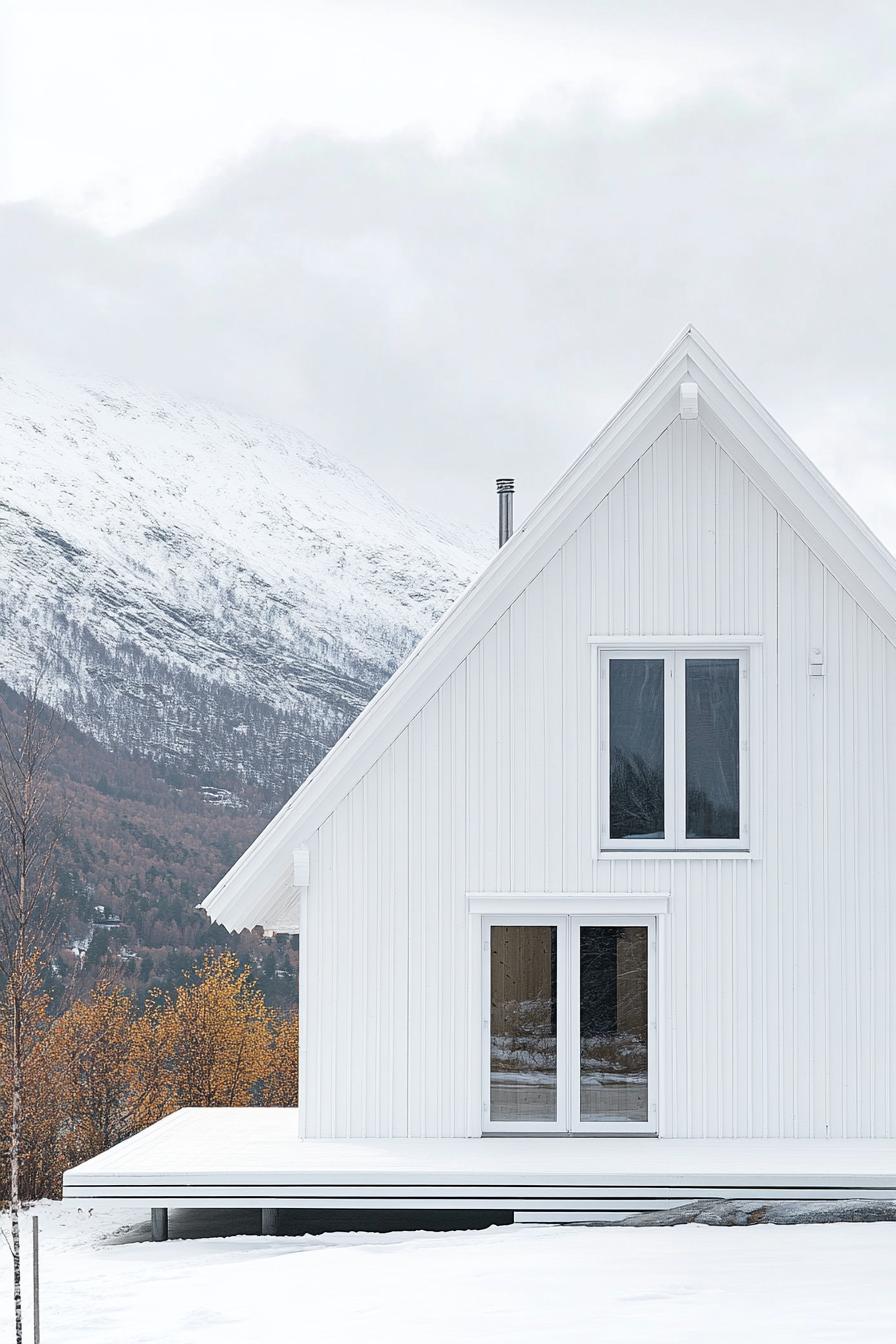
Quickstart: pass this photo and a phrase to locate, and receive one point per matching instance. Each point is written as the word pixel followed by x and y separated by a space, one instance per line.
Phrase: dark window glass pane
pixel 613 1024
pixel 636 749
pixel 712 748
pixel 523 1022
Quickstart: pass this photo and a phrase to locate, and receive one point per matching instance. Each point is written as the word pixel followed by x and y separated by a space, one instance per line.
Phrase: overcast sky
pixel 447 239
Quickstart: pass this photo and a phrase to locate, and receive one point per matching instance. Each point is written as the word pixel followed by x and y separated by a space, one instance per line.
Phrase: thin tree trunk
pixel 15 1130
pixel 28 839
pixel 18 990
pixel 35 1253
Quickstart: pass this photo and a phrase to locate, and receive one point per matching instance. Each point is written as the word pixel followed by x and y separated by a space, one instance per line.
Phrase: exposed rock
pixel 748 1212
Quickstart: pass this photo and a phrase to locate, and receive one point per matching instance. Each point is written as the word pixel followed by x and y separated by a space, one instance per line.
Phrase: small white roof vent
pixel 688 398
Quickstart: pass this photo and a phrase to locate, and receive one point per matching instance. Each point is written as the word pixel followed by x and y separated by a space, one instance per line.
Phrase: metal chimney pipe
pixel 505 509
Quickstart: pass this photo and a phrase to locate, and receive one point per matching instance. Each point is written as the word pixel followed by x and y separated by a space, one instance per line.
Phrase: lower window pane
pixel 613 1024
pixel 523 1023
pixel 712 748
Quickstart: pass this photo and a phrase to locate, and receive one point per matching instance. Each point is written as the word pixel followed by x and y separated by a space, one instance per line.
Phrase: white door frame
pixel 568 910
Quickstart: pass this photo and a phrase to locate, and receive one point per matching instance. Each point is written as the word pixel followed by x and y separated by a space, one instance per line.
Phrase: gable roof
pixel 259 889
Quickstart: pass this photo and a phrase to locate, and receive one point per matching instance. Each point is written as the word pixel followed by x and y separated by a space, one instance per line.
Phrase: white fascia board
pixel 801 494
pixel 739 398
pixel 791 457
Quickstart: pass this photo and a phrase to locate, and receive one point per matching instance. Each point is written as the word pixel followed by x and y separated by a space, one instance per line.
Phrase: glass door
pixel 525 1081
pixel 613 1013
pixel 568 1025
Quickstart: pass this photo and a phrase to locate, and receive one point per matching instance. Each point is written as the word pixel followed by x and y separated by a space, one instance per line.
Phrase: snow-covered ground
pixel 519 1284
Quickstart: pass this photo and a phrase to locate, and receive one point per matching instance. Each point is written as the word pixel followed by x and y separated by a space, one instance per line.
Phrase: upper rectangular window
pixel 673 742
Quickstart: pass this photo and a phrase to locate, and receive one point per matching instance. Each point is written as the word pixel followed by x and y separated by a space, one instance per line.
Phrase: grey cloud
pixel 442 319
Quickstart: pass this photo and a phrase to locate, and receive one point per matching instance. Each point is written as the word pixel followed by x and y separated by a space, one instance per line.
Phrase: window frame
pixel 674 655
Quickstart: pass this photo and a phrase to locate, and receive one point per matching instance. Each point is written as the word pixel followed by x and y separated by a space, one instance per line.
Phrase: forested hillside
pixel 142 845
pixel 208 601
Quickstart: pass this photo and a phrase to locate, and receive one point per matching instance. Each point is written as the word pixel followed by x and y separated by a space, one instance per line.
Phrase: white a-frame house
pixel 613 853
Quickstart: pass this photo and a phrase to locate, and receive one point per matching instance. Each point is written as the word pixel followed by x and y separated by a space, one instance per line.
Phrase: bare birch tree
pixel 29 838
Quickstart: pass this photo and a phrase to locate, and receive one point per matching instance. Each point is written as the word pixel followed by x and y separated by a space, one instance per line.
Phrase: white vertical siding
pixel 776 1015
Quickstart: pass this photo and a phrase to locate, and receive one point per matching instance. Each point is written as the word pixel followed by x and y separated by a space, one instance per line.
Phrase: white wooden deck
pixel 252 1158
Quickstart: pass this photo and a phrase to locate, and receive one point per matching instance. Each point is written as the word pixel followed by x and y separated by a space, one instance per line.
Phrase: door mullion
pixel 570 991
pixel 572 1045
pixel 562 1022
pixel 652 1063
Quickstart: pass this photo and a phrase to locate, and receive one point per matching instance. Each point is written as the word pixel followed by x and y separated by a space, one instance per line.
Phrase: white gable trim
pixel 817 513
pixel 260 884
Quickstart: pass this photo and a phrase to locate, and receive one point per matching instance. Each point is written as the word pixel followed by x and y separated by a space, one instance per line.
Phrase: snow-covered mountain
pixel 201 587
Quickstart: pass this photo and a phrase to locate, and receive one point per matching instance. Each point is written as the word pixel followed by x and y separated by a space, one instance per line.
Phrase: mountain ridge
pixel 207 602
pixel 201 587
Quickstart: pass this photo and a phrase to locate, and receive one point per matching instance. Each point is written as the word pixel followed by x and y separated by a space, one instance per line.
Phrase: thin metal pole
pixel 35 1250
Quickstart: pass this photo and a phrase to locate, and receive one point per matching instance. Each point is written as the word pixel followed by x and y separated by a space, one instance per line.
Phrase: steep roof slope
pixel 258 889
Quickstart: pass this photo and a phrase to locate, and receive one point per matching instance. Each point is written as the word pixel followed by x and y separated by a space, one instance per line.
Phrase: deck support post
pixel 270 1219
pixel 159 1221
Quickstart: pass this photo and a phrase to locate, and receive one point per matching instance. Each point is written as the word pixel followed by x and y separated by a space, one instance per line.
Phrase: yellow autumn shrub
pixel 103 1070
